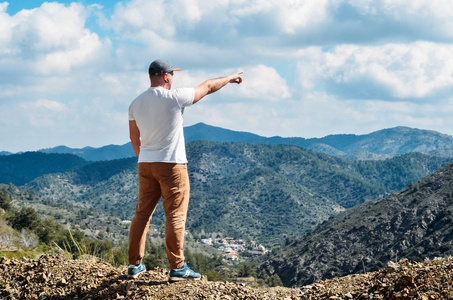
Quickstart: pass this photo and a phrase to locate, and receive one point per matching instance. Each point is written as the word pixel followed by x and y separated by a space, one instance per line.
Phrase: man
pixel 156 132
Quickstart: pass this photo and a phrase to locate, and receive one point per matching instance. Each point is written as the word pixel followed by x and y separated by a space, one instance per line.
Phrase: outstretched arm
pixel 213 85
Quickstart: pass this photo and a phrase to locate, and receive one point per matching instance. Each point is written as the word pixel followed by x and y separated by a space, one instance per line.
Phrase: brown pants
pixel 171 182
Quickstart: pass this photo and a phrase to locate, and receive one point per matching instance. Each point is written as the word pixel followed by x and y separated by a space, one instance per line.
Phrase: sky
pixel 70 69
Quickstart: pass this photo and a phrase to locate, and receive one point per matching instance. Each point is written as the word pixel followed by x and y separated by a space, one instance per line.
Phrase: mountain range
pixel 381 144
pixel 23 167
pixel 416 224
pixel 237 189
pixel 376 145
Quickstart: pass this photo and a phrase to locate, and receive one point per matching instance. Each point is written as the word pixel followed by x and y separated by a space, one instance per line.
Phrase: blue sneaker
pixel 133 271
pixel 185 273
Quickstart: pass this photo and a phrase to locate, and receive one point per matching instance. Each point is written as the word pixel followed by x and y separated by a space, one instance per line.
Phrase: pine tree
pixel 5 201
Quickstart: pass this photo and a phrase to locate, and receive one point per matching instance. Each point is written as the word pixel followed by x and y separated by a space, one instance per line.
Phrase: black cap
pixel 161 66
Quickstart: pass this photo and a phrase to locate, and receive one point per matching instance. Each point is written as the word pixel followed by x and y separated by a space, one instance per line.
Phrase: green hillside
pixel 252 191
pixel 21 168
pixel 416 224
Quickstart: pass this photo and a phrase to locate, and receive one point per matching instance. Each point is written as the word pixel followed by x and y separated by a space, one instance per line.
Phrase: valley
pixel 307 207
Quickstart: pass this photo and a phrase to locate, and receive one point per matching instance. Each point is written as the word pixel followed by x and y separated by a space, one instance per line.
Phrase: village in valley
pixel 235 249
pixel 232 249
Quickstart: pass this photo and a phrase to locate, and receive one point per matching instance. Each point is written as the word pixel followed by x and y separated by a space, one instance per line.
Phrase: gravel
pixel 56 277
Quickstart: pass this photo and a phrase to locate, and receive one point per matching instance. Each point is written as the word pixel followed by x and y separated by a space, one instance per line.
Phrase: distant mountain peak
pixel 379 144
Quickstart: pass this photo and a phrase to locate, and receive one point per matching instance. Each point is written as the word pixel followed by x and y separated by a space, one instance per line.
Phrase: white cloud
pixel 5 29
pixel 263 83
pixel 47 40
pixel 48 28
pixel 318 114
pixel 422 18
pixel 295 15
pixel 262 30
pixel 404 71
pixel 44 113
pixel 48 53
pixel 290 16
pixel 406 10
pixel 329 22
pixel 311 68
pixel 50 105
pixel 247 116
pixel 141 19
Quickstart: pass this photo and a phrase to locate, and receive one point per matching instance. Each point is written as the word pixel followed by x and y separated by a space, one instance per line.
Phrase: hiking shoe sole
pixel 176 279
pixel 134 276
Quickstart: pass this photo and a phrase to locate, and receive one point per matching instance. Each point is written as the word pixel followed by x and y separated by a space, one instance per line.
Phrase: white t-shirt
pixel 158 113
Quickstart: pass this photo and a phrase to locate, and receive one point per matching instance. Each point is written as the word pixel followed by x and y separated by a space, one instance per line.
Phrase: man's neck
pixel 165 86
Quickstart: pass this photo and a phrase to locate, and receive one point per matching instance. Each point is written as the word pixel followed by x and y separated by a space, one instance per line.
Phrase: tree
pixel 7 237
pixel 156 256
pixel 27 217
pixel 48 231
pixel 274 280
pixel 7 240
pixel 288 241
pixel 119 258
pixel 212 275
pixel 5 201
pixel 28 238
pixel 246 270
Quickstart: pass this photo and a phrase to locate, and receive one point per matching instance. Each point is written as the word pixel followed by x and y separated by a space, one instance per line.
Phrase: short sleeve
pixel 131 114
pixel 184 96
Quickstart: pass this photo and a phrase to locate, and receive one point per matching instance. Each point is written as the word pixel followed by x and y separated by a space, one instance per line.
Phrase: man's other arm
pixel 213 85
pixel 134 134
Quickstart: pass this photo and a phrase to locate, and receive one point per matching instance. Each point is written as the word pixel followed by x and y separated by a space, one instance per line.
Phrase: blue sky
pixel 69 69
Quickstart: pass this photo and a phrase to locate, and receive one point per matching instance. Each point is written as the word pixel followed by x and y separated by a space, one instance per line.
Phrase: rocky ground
pixel 55 277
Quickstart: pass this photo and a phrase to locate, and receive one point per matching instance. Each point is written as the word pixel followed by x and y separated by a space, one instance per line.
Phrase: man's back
pixel 158 114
